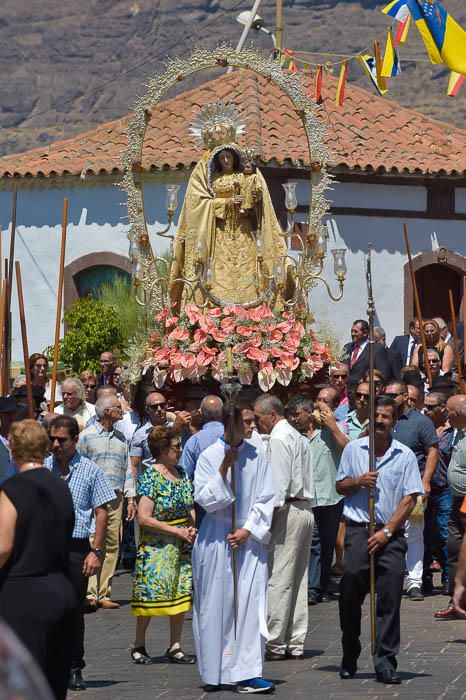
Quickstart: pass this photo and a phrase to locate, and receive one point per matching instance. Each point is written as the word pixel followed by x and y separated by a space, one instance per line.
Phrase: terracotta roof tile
pixel 368 133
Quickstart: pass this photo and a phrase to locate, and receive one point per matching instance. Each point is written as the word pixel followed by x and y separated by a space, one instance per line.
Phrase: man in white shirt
pixel 290 458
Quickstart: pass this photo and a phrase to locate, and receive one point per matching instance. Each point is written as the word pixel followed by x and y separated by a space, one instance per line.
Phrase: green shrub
pixel 91 328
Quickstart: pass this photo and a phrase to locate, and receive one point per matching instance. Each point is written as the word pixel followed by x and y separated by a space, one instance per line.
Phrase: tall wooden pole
pixel 418 307
pixel 2 331
pixel 4 345
pixel 371 343
pixel 279 23
pixel 22 320
pixel 12 244
pixel 9 275
pixel 59 305
pixel 455 336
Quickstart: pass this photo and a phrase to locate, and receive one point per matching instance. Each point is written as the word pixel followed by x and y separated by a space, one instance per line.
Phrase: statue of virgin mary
pixel 229 247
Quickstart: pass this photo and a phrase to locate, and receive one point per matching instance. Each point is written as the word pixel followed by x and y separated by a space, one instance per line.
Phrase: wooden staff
pixel 418 307
pixel 59 305
pixel 22 319
pixel 455 336
pixel 371 343
pixel 4 344
pixel 12 244
pixel 2 329
pixel 9 276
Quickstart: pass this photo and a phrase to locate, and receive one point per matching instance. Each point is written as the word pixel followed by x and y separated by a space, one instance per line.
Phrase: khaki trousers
pixel 100 586
pixel 288 560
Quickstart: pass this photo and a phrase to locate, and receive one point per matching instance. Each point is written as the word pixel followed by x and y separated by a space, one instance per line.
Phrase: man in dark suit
pixel 356 354
pixel 405 344
pixel 394 362
pixel 107 365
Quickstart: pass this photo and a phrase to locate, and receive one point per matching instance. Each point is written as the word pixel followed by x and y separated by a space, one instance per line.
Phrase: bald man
pixel 212 428
pixel 456 413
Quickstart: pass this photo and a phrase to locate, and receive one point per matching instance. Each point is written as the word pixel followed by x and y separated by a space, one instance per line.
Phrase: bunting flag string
pixel 391 63
pixel 402 31
pixel 454 84
pixel 340 94
pixel 444 40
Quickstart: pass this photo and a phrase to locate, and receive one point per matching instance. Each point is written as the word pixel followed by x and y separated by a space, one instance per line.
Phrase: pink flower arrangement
pixel 274 347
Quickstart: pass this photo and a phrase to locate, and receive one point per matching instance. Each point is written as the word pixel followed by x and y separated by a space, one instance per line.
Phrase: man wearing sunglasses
pixel 91 492
pixel 358 420
pixel 417 432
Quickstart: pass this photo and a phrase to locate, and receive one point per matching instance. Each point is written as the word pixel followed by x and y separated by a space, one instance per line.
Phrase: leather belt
pixel 377 526
pixel 295 500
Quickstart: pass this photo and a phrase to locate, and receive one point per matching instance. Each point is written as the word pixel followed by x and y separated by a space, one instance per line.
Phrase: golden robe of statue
pixel 223 211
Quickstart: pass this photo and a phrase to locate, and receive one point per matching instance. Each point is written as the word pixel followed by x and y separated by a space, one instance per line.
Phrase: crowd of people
pixel 248 514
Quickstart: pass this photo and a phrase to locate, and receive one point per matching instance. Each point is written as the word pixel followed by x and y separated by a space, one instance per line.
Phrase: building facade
pixel 391 167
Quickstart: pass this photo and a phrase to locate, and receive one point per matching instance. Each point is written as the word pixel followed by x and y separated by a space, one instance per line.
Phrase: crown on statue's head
pixel 216 124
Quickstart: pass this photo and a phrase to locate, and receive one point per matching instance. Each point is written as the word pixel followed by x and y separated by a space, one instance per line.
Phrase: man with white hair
pixel 107 447
pixel 290 459
pixel 74 403
pixel 444 332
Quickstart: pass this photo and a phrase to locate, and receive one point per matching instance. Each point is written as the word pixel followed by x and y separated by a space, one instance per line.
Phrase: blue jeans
pixel 437 513
pixel 324 535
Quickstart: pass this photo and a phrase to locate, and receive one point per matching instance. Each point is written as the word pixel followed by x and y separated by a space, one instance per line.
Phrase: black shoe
pixel 389 677
pixel 446 588
pixel 313 598
pixel 325 598
pixel 415 593
pixel 76 681
pixel 427 586
pixel 272 656
pixel 345 674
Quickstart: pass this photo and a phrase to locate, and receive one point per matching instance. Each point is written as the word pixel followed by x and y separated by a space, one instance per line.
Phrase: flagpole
pixel 279 23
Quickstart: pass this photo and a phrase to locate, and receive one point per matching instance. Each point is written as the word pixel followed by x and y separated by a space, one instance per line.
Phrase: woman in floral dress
pixel 162 582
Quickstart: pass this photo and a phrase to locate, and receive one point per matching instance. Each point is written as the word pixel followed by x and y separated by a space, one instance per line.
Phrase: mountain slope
pixel 52 52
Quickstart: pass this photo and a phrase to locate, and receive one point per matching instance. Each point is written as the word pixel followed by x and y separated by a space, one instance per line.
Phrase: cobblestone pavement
pixel 432 660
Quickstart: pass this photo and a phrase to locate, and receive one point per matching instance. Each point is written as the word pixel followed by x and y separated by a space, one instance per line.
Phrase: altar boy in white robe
pixel 224 660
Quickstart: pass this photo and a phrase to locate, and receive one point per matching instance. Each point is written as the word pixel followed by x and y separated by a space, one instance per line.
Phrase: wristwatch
pixel 98 551
pixel 388 533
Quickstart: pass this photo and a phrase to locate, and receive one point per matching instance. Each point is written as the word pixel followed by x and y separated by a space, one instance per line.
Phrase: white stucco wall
pixel 97 224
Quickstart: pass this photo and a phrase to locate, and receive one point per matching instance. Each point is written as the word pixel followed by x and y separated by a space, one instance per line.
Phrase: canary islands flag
pixel 445 40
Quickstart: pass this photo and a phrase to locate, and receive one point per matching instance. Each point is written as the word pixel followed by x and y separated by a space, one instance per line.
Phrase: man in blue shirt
pixel 211 412
pixel 417 432
pixel 91 492
pixel 396 482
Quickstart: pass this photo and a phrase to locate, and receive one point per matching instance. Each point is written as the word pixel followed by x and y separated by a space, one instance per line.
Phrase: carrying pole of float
pixel 371 343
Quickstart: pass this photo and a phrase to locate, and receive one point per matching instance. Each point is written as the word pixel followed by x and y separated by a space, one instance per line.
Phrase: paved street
pixel 432 662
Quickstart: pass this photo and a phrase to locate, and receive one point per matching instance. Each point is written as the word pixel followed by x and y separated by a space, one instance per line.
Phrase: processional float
pixel 230 299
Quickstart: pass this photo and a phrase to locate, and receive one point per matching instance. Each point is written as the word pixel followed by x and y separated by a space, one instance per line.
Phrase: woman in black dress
pixel 36 524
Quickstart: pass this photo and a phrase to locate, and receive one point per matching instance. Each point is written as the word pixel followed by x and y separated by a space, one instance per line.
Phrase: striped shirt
pixel 110 451
pixel 89 489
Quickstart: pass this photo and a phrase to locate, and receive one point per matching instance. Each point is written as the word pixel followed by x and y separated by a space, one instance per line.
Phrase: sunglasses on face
pixel 360 395
pixel 155 406
pixel 430 407
pixel 55 438
pixel 339 376
pixel 90 386
pixel 392 394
